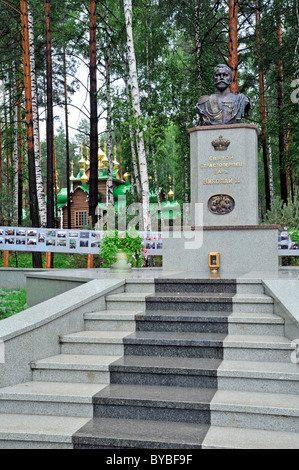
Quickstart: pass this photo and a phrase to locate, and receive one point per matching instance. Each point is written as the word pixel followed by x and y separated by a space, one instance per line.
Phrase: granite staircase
pixel 46 412
pixel 208 367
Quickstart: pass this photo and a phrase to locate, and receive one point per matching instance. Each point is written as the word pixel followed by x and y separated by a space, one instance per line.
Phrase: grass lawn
pixel 12 302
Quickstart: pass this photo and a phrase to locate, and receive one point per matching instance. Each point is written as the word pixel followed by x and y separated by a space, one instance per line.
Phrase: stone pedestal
pixel 224 174
pixel 242 249
pixel 224 186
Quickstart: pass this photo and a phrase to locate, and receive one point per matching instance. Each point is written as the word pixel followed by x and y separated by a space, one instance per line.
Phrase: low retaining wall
pixel 285 293
pixel 34 334
pixel 15 278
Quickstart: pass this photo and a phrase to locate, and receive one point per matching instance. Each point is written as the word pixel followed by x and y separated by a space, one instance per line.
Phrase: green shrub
pixel 130 242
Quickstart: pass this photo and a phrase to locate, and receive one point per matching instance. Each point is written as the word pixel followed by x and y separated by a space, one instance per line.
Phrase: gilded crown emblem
pixel 221 144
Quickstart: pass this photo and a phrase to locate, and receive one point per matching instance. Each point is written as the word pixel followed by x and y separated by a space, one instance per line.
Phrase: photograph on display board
pixel 61 243
pixel 51 242
pixel 9 241
pixel 84 235
pixel 61 234
pixel 95 244
pixel 73 244
pixel 20 241
pixel 20 233
pixel 84 243
pixel 32 242
pixel 41 237
pixel 51 234
pixel 73 234
pixel 9 232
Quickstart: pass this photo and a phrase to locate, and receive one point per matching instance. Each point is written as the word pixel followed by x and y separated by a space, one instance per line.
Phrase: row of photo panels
pixel 285 242
pixel 69 240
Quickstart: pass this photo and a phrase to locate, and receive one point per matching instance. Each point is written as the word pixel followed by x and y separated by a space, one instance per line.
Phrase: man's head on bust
pixel 222 77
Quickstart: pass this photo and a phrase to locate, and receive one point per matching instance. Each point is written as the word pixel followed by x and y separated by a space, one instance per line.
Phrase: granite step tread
pixel 157 364
pixel 155 396
pixel 211 297
pixel 75 362
pixel 18 427
pixel 129 433
pixel 213 339
pixel 111 315
pixel 95 337
pixel 261 370
pixel 52 391
pixel 238 438
pixel 256 402
pixel 230 317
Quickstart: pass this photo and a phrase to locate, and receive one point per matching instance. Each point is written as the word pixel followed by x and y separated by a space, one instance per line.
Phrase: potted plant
pixel 122 250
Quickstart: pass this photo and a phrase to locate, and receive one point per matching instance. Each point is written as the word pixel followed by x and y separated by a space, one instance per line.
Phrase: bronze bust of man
pixel 223 107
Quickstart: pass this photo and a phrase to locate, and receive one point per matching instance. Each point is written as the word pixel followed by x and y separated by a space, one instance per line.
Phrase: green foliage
pixel 130 242
pixel 286 215
pixel 12 302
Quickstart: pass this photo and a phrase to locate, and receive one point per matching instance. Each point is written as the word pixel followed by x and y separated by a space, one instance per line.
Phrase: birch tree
pixel 39 179
pixel 137 115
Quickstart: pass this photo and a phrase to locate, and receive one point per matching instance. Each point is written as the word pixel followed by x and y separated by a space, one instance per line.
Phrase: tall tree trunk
pixel 198 45
pixel 107 57
pixel 93 179
pixel 132 139
pixel 262 105
pixel 137 114
pixel 280 102
pixel 20 161
pixel 37 260
pixel 1 173
pixel 272 190
pixel 39 179
pixel 233 43
pixel 15 163
pixel 50 120
pixel 69 214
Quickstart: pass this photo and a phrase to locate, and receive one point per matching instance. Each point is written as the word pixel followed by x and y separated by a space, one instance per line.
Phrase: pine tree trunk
pixel 280 102
pixel 233 43
pixel 262 106
pixel 93 180
pixel 138 116
pixel 20 163
pixel 272 190
pixel 1 173
pixel 50 123
pixel 39 179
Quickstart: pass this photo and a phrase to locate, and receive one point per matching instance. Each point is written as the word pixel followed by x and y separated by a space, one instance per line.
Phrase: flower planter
pixel 121 263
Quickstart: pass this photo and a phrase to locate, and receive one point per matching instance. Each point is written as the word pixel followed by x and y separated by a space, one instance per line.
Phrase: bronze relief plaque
pixel 221 204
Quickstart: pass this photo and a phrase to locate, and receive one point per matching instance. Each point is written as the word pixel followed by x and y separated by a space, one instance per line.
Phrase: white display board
pixel 65 241
pixel 286 246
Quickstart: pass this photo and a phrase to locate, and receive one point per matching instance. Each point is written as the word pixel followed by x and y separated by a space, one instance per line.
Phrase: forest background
pixel 146 62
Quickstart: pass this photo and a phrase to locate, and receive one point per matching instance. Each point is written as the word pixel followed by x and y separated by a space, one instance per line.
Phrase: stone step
pixel 196 286
pixel 140 285
pixel 267 411
pixel 18 431
pixel 233 286
pixel 269 377
pixel 106 343
pixel 105 433
pixel 179 404
pixel 219 437
pixel 241 303
pixel 49 398
pixel 165 371
pixel 93 369
pixel 213 322
pixel 209 345
pixel 127 301
pixel 112 320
